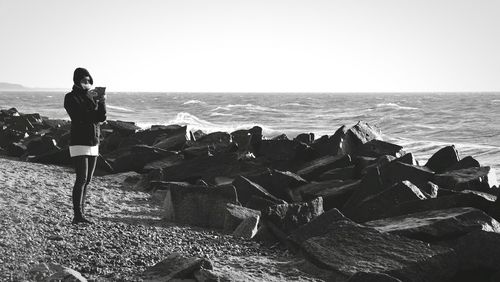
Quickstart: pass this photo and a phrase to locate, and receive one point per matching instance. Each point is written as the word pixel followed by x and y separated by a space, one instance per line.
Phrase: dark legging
pixel 84 169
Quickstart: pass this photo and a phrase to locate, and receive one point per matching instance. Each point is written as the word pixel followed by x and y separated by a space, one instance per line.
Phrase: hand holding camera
pixel 99 94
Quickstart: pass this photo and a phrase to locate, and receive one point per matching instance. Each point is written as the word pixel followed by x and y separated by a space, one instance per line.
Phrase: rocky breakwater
pixel 350 203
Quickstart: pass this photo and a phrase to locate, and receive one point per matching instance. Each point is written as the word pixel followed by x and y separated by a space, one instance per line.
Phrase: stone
pixel 164 162
pixel 443 159
pixel 206 168
pixel 54 272
pixel 316 227
pixel 261 204
pixel 343 173
pixel 235 214
pixel 397 171
pixel 247 188
pixel 176 266
pixel 288 217
pixel 124 128
pixel 376 148
pixel 198 205
pixel 279 183
pixel 280 150
pixel 467 162
pixel 330 145
pixel 375 206
pixel 478 250
pixel 437 225
pixel 407 158
pixel 247 228
pixel 348 248
pixel 358 135
pixel 134 158
pixel 481 201
pixel 335 195
pixel 379 163
pixel 429 189
pixel 16 149
pixel 474 178
pixel 41 145
pixel 151 135
pixel 306 138
pixel 313 169
pixel 215 137
pixel 372 277
pixel 173 142
pixel 370 184
pixel 57 157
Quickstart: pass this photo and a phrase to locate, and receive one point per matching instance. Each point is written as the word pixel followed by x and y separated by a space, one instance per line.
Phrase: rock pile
pixel 349 202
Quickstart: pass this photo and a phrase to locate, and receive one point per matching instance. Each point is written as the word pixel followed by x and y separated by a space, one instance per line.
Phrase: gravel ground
pixel 127 237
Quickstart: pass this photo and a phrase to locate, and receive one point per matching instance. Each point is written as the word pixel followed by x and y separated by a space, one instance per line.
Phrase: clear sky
pixel 254 45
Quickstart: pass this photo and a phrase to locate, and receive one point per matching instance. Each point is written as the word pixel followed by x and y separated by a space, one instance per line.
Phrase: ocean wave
pixel 248 107
pixel 217 114
pixel 123 109
pixel 395 106
pixel 193 102
pixel 293 104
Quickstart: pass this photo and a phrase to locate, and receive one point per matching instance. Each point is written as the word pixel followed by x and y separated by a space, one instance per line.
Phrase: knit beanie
pixel 79 74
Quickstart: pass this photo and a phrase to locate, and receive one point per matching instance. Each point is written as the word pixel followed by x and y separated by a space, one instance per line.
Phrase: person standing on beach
pixel 86 112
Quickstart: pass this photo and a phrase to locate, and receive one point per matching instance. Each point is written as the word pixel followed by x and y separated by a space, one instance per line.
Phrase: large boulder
pixel 467 162
pixel 198 205
pixel 334 193
pixel 285 218
pixel 57 157
pixel 173 141
pixel 279 183
pixel 347 248
pixel 376 148
pixel 313 169
pixel 437 225
pixel 134 158
pixel 53 272
pixel 481 201
pixel 235 215
pixel 330 145
pixel 443 159
pixel 124 128
pixel 341 173
pixel 371 184
pixel 176 267
pixel 474 178
pixel 395 172
pixel 247 188
pixel 281 150
pixel 358 135
pixel 376 206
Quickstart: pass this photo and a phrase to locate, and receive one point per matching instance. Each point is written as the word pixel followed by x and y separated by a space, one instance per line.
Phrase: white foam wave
pixel 119 108
pixel 216 114
pixel 193 102
pixel 248 107
pixel 293 104
pixel 395 106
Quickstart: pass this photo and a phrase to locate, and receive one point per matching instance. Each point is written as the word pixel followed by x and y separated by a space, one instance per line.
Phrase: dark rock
pixel 472 199
pixel 343 173
pixel 173 142
pixel 407 158
pixel 430 189
pixel 478 250
pixel 280 150
pixel 235 214
pixel 396 171
pixel 280 137
pixel 246 189
pixel 55 123
pixel 437 225
pixel 443 159
pixel 467 162
pixel 358 135
pixel 124 128
pixel 261 204
pixel 19 124
pixel 288 217
pixel 315 168
pixel 364 164
pixel 134 158
pixel 376 148
pixel 348 248
pixel 375 206
pixel 306 138
pixel 176 266
pixel 279 183
pixel 370 184
pixel 379 163
pixel 57 157
pixel 215 137
pixel 318 226
pixel 16 149
pixel 247 228
pixel 372 277
pixel 41 145
pixel 474 178
pixel 330 145
pixel 198 205
pixel 334 195
pixel 206 168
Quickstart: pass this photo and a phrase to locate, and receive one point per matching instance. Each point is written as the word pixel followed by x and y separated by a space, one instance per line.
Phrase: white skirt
pixel 82 150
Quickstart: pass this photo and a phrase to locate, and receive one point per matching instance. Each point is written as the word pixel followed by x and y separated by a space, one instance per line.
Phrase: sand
pixel 129 233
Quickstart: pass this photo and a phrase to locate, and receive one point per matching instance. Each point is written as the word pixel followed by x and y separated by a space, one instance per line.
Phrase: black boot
pixel 77 208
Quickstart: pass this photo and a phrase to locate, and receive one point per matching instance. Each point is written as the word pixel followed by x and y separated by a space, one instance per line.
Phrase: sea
pixel 420 122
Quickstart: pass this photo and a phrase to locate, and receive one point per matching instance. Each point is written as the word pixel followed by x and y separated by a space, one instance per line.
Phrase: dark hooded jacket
pixel 84 112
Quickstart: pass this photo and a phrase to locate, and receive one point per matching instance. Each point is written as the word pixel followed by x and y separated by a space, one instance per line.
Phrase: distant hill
pixel 11 86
